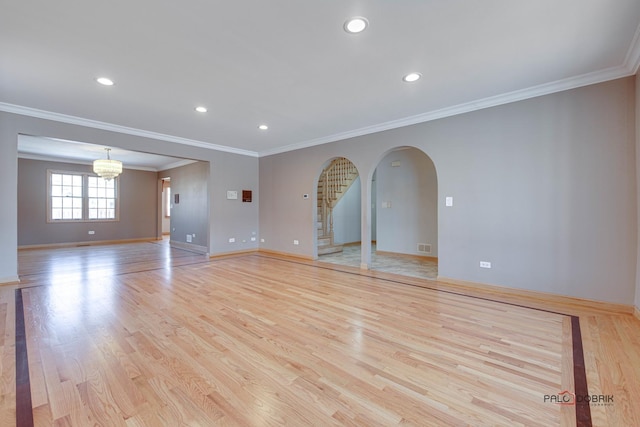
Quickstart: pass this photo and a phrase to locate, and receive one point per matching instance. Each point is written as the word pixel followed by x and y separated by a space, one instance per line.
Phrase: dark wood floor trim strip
pixel 24 413
pixel 583 410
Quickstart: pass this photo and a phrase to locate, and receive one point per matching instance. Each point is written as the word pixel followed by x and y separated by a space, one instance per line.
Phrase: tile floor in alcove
pixel 398 264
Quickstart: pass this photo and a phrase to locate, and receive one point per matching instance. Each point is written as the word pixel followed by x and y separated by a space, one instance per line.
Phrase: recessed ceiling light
pixel 357 24
pixel 263 127
pixel 105 81
pixel 201 109
pixel 412 77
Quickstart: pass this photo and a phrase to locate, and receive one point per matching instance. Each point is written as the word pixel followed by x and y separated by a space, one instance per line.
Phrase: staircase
pixel 334 182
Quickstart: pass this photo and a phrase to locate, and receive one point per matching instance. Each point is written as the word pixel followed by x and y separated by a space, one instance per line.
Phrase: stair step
pixel 329 249
pixel 324 241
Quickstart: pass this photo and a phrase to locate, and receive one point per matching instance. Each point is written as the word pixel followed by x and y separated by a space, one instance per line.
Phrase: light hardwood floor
pixel 145 335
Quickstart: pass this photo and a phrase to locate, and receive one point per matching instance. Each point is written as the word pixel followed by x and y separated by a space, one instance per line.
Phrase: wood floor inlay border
pixel 24 411
pixel 583 410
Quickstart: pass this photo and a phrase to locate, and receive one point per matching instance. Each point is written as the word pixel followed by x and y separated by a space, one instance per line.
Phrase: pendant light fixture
pixel 107 168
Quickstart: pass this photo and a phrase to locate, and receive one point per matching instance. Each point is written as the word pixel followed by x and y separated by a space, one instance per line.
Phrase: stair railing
pixel 325 208
pixel 335 177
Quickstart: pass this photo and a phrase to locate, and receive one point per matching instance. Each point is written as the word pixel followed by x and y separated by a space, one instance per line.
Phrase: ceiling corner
pixel 632 60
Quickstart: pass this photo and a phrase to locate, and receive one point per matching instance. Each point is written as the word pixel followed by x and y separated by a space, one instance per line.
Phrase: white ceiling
pixel 291 65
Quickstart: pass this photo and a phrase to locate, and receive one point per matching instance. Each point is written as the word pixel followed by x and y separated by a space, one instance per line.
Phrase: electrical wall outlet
pixel 261 240
pixel 253 239
pixel 296 242
pixel 485 264
pixel 232 239
pixel 91 232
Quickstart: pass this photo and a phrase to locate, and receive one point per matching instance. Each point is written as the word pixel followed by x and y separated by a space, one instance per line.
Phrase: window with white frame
pixel 102 198
pixel 76 196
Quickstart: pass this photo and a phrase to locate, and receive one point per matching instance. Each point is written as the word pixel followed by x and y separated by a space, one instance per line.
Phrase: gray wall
pixel 234 218
pixel 544 189
pixel 137 219
pixel 190 215
pixel 411 191
pixel 226 171
pixel 346 216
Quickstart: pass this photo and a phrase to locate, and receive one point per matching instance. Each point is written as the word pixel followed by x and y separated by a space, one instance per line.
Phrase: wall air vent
pixel 424 248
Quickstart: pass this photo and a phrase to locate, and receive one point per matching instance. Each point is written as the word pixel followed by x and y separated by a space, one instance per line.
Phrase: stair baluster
pixel 334 181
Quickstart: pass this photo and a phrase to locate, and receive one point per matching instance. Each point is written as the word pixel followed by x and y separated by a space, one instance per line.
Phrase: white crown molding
pixel 64 118
pixel 519 95
pixel 30 156
pixel 177 164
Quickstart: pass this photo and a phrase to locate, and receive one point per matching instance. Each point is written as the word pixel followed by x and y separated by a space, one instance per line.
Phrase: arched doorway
pixel 338 219
pixel 404 225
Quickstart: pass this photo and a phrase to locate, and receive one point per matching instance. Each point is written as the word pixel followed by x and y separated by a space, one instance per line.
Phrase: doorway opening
pixel 338 216
pixel 165 197
pixel 404 217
